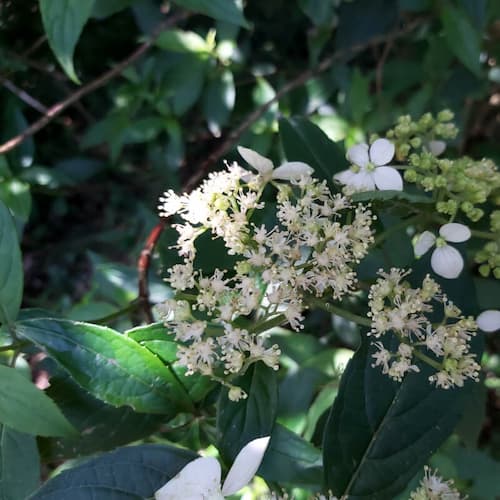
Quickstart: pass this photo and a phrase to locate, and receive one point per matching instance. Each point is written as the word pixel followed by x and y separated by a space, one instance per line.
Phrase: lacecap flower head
pixel 369 168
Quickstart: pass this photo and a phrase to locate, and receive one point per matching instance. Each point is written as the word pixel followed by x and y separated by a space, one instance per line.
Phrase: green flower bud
pixel 416 142
pixel 403 150
pixel 484 270
pixel 475 214
pixel 496 273
pixel 427 183
pixel 440 181
pixel 445 115
pixel 466 206
pixel 410 175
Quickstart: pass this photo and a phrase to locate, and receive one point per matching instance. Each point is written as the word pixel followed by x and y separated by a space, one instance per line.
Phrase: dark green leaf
pixel 16 195
pixel 390 194
pixel 19 464
pixel 63 21
pixel 26 408
pixel 240 422
pixel 102 9
pixel 290 459
pixel 463 39
pixel 319 11
pixel 218 101
pixel 102 427
pixel 133 472
pixel 304 141
pixel 11 270
pixel 358 96
pixel 222 10
pixel 364 19
pixel 111 366
pixel 380 433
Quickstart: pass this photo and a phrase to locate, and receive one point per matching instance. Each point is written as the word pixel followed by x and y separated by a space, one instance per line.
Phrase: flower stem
pixel 338 311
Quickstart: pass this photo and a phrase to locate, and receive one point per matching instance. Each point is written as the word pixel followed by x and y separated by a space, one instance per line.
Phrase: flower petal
pixel 489 321
pixel 292 170
pixel 358 154
pixel 454 232
pixel 381 152
pixel 245 465
pixel 362 181
pixel 447 262
pixel 388 178
pixel 436 147
pixel 344 177
pixel 198 479
pixel 262 164
pixel 423 243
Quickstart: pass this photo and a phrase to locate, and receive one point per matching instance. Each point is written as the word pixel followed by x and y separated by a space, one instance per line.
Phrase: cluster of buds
pixel 220 320
pixel 398 308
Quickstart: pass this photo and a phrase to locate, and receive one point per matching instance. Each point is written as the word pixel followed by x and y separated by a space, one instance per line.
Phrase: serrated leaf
pixel 11 269
pixel 111 366
pixel 380 433
pixel 26 408
pixel 240 422
pixel 290 459
pixel 19 464
pixel 463 39
pixel 304 141
pixel 63 22
pixel 222 10
pixel 125 474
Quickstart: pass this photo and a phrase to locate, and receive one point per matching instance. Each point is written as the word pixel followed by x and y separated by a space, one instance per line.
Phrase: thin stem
pixel 338 311
pixel 132 306
pixel 484 235
pixel 427 359
pixel 267 324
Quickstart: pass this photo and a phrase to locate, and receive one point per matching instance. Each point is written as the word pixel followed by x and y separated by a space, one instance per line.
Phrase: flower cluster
pixel 398 308
pixel 309 250
pixel 434 487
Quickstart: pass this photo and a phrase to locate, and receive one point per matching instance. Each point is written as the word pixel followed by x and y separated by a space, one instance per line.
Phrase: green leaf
pixel 26 408
pixel 63 22
pixel 290 459
pixel 462 38
pixel 390 194
pixel 111 366
pixel 102 427
pixel 218 101
pixel 16 195
pixel 11 269
pixel 240 422
pixel 128 473
pixel 304 141
pixel 105 9
pixel 222 10
pixel 19 464
pixel 182 41
pixel 380 433
pixel 358 96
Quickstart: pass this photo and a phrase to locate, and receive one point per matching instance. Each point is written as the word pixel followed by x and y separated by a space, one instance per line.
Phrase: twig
pixel 24 96
pixel 379 71
pixel 232 138
pixel 58 108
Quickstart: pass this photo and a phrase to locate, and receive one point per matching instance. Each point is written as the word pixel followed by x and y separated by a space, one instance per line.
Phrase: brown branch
pixel 58 108
pixel 232 138
pixel 23 95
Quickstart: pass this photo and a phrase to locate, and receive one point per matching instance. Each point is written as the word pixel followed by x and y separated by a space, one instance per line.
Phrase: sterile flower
pixel 489 321
pixel 446 260
pixel 436 147
pixel 291 170
pixel 201 478
pixel 370 169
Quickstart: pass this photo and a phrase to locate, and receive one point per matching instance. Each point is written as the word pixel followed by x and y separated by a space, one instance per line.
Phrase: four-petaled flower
pixel 289 171
pixel 446 260
pixel 201 478
pixel 369 168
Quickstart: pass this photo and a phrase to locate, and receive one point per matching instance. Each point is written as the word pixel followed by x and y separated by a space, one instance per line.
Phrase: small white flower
pixel 446 260
pixel 370 169
pixel 201 478
pixel 489 321
pixel 289 171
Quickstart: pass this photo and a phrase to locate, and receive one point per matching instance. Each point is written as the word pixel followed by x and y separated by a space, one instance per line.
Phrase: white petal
pixel 197 480
pixel 423 243
pixel 454 232
pixel 245 465
pixel 345 176
pixel 381 152
pixel 436 147
pixel 358 154
pixel 388 178
pixel 262 164
pixel 292 170
pixel 362 181
pixel 447 262
pixel 489 321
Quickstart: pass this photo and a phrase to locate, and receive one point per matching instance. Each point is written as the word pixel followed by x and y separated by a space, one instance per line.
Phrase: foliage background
pixel 84 188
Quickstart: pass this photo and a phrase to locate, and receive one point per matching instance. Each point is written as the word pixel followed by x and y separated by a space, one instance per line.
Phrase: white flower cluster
pixel 309 250
pixel 434 487
pixel 398 308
